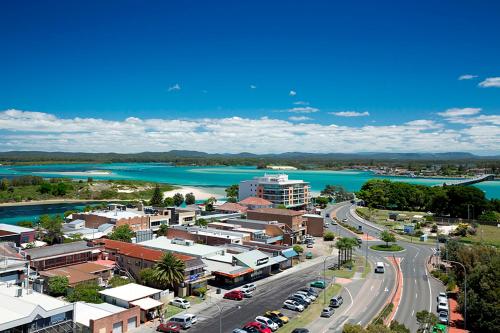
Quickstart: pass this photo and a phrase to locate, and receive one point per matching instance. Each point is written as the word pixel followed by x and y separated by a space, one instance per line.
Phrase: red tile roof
pixel 254 201
pixel 278 211
pixel 138 251
pixel 232 207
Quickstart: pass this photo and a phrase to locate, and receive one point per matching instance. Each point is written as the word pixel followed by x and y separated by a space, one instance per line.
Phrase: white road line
pixel 347 310
pixel 416 295
pixel 412 312
pixel 430 292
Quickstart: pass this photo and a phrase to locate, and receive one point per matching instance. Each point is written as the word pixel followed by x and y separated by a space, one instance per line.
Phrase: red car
pixel 234 294
pixel 261 328
pixel 169 327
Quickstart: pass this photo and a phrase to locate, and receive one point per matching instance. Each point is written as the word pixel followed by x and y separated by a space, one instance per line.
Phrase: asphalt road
pixel 419 289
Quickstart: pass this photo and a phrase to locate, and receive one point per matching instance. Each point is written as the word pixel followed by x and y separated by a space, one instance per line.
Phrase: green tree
pixel 122 233
pixel 157 197
pixel 387 237
pixel 45 188
pixel 52 227
pixel 201 222
pixel 4 184
pixel 26 224
pixel 61 189
pixel 336 193
pixel 162 230
pixel 232 193
pixel 490 216
pixel 117 281
pixel 85 292
pixel 168 202
pixel 398 328
pixel 90 180
pixel 178 199
pixel 321 201
pixel 209 204
pixel 299 249
pixel 425 319
pixel 329 236
pixel 352 328
pixel 147 277
pixel 74 238
pixel 69 212
pixel 281 206
pixel 169 271
pixel 190 199
pixel 58 285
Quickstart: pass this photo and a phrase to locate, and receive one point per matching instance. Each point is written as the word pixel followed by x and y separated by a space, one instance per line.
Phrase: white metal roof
pixel 200 250
pixel 84 312
pixel 14 228
pixel 147 303
pixel 130 292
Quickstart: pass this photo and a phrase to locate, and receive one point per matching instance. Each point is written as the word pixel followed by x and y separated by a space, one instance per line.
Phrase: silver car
pixel 327 312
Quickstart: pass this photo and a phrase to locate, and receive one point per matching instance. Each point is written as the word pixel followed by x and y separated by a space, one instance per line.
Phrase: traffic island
pixel 387 248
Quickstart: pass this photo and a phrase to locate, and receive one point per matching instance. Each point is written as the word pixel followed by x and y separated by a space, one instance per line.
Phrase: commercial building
pixel 315 224
pixel 78 227
pixel 25 310
pixel 277 189
pixel 104 317
pixel 208 236
pixel 16 234
pixel 47 257
pixel 12 266
pixel 269 232
pixel 115 217
pixel 293 219
pixel 135 295
pixel 182 246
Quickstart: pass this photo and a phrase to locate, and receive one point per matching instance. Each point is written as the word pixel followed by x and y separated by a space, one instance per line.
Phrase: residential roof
pixel 84 312
pixel 90 267
pixel 277 211
pixel 114 214
pixel 14 228
pixel 255 201
pixel 74 276
pixel 198 250
pixel 138 251
pixel 59 249
pixel 232 207
pixel 147 303
pixel 130 292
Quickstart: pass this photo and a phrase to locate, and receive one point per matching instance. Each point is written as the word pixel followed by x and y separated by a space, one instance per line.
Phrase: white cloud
pixel 467 77
pixel 175 87
pixel 459 112
pixel 303 109
pixel 292 93
pixel 25 130
pixel 252 86
pixel 301 103
pixel 490 82
pixel 350 114
pixel 299 118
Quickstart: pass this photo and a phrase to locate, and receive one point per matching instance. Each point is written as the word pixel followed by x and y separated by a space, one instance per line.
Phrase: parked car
pixel 299 300
pixel 168 327
pixel 318 284
pixel 304 297
pixel 309 245
pixel 248 287
pixel 305 293
pixel 278 314
pixel 300 330
pixel 261 328
pixel 276 319
pixel 441 295
pixel 310 291
pixel 246 293
pixel 239 330
pixel 336 301
pixel 334 222
pixel 268 322
pixel 309 255
pixel 194 318
pixel 234 295
pixel 442 306
pixel 293 305
pixel 180 303
pixel 183 320
pixel 327 312
pixel 443 317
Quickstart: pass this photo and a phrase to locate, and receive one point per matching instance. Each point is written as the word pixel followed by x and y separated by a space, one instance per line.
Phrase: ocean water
pixel 200 176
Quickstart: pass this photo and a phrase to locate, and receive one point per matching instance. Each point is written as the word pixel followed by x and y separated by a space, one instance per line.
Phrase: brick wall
pixel 105 325
pixel 315 226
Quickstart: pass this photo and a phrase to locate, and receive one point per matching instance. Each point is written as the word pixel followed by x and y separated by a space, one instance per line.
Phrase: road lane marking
pixel 416 295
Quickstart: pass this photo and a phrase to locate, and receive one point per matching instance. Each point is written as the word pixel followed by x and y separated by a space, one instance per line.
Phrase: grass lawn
pixel 171 310
pixel 380 216
pixel 391 247
pixel 312 312
pixel 490 235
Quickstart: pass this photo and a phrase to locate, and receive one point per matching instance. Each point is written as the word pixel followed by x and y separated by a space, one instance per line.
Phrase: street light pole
pixel 220 315
pixel 324 277
pixel 465 301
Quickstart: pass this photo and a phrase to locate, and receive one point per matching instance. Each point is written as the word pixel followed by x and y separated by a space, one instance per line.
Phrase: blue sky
pixel 323 66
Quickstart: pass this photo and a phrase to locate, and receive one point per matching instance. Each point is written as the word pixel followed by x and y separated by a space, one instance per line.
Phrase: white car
pixel 180 303
pixel 247 293
pixel 248 287
pixel 268 322
pixel 442 306
pixel 292 305
pixel 441 295
pixel 443 317
pixel 312 297
pixel 304 297
pixel 193 317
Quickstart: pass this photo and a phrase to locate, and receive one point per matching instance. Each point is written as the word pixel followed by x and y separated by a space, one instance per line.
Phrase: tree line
pixel 454 201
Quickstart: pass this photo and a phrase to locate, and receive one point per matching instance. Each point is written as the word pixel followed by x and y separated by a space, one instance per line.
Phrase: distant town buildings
pixel 277 189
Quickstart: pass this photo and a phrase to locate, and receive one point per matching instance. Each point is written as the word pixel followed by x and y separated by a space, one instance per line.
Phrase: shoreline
pixel 52 202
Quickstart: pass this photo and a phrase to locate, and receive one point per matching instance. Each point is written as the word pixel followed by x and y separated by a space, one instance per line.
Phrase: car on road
pixel 234 295
pixel 305 293
pixel 379 267
pixel 168 327
pixel 268 322
pixel 310 291
pixel 334 222
pixel 443 317
pixel 180 303
pixel 293 305
pixel 300 330
pixel 336 301
pixel 248 287
pixel 261 328
pixel 278 314
pixel 183 320
pixel 359 240
pixel 327 312
pixel 345 220
pixel 309 255
pixel 192 317
pixel 318 284
pixel 442 306
pixel 246 293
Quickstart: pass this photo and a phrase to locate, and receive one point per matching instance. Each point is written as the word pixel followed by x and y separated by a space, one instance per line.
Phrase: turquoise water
pixel 194 176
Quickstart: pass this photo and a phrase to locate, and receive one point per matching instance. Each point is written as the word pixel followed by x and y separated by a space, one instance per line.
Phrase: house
pixel 133 258
pixel 12 265
pixel 104 317
pixel 79 273
pixel 182 246
pixel 269 232
pixel 135 295
pixel 115 217
pixel 208 236
pixel 77 227
pixel 255 203
pixel 231 207
pixel 16 234
pixel 59 255
pixel 25 310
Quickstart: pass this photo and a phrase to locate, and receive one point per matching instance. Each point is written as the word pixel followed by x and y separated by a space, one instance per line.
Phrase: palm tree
pixel 169 271
pixel 345 246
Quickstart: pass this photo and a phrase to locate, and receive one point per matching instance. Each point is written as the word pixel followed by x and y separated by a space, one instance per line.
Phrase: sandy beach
pixel 200 193
pixel 51 201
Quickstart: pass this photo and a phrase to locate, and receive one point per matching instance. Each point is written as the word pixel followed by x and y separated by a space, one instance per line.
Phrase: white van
pixel 379 268
pixel 184 320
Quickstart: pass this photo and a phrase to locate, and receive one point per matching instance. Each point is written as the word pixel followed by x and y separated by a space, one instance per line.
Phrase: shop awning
pixel 147 303
pixel 289 253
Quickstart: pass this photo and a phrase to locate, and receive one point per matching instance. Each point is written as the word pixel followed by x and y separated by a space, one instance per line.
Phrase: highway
pixel 419 289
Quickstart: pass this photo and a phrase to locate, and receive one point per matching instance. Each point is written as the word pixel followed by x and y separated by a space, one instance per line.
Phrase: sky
pixel 250 76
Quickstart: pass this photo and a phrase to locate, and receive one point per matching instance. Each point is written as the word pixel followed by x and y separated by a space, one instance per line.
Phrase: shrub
pixel 329 236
